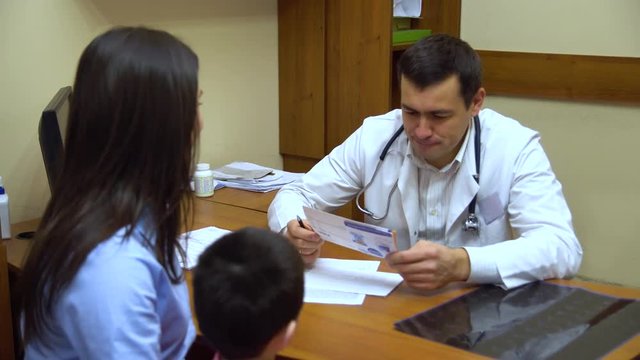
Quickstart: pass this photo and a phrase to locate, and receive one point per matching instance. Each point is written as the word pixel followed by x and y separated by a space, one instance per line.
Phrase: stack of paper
pixel 197 242
pixel 336 281
pixel 252 177
pixel 333 281
pixel 330 281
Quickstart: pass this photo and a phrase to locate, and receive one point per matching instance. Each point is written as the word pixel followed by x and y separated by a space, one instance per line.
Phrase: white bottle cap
pixel 202 166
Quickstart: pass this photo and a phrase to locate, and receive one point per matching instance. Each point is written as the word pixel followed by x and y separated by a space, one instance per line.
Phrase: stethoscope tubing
pixel 471 223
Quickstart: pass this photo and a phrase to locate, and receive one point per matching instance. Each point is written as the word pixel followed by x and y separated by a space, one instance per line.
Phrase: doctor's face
pixel 435 118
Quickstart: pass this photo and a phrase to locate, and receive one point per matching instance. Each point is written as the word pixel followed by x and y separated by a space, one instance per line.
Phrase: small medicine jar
pixel 203 180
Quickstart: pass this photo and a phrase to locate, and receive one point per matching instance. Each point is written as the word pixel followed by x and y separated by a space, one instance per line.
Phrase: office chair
pixel 51 132
pixel 6 325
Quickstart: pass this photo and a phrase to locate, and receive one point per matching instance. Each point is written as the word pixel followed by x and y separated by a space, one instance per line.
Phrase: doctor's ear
pixel 477 101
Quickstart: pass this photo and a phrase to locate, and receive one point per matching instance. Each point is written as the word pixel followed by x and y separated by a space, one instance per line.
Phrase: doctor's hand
pixel 428 266
pixel 305 240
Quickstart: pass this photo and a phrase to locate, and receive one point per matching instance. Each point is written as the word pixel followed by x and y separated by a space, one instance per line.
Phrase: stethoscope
pixel 470 224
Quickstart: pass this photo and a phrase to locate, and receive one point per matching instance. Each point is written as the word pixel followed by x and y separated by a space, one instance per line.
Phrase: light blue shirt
pixel 120 305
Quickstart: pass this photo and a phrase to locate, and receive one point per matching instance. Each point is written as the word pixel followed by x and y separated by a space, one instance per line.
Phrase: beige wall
pixel 41 41
pixel 593 147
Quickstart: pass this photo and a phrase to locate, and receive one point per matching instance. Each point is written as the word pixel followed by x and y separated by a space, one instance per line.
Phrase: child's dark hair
pixel 247 287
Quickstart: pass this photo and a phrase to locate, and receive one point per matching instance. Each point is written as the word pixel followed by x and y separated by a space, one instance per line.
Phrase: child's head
pixel 248 289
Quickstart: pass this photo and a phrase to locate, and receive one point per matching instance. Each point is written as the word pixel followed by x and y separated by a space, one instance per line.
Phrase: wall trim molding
pixel 562 77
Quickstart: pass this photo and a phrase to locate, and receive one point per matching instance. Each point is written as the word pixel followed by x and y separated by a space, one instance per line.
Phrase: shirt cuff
pixel 483 269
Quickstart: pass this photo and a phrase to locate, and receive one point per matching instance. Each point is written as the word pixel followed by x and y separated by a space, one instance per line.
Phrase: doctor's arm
pixel 331 183
pixel 545 245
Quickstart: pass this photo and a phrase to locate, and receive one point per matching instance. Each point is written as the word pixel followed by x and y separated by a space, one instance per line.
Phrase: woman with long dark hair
pixel 102 279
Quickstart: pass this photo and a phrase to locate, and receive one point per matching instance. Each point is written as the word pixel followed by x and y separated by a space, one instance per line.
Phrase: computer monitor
pixel 51 132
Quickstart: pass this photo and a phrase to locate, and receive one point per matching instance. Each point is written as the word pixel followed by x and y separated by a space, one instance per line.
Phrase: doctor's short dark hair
pixel 437 57
pixel 247 286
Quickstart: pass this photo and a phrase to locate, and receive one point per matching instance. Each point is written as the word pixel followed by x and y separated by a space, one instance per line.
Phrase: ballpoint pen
pixel 306 228
pixel 301 223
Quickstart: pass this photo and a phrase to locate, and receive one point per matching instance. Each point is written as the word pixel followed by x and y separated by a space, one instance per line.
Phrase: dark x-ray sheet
pixel 535 321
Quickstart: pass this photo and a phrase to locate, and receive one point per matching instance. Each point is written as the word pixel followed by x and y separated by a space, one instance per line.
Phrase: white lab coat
pixel 525 224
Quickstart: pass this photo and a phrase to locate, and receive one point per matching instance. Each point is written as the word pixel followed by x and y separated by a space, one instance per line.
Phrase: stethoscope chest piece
pixel 471 223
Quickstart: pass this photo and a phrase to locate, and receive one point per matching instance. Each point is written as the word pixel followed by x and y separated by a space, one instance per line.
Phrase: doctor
pixel 470 192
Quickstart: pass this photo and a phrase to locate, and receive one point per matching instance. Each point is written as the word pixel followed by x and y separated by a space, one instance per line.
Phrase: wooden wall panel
pixel 301 77
pixel 562 77
pixel 297 164
pixel 441 16
pixel 358 62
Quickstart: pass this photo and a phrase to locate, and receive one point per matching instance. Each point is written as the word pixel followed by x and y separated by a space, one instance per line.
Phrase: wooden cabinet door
pixel 301 74
pixel 358 64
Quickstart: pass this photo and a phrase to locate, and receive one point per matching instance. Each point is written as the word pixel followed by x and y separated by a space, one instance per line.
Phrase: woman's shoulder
pixel 123 269
pixel 125 245
pixel 125 260
pixel 118 292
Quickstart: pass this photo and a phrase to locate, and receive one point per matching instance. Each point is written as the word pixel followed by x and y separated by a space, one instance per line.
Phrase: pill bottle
pixel 5 224
pixel 203 180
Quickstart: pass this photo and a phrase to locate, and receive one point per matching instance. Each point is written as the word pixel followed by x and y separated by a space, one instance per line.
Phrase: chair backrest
pixel 51 132
pixel 6 322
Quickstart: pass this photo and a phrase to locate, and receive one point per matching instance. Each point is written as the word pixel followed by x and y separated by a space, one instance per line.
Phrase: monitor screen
pixel 51 132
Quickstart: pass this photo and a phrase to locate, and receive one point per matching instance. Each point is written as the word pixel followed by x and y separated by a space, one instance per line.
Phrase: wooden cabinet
pixel 336 68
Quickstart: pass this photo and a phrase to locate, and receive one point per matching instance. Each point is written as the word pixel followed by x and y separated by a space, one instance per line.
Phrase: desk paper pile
pixel 346 282
pixel 330 281
pixel 198 242
pixel 334 281
pixel 252 177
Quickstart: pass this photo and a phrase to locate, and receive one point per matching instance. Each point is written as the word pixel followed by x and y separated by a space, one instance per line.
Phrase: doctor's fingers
pixel 296 232
pixel 307 247
pixel 417 254
pixel 419 268
pixel 424 282
pixel 309 259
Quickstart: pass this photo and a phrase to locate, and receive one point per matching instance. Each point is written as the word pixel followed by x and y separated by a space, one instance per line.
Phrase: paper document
pixel 241 170
pixel 198 242
pixel 323 296
pixel 346 276
pixel 407 8
pixel 252 177
pixel 357 265
pixel 365 238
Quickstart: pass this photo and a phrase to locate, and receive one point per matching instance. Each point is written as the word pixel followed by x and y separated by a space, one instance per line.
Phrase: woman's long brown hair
pixel 129 151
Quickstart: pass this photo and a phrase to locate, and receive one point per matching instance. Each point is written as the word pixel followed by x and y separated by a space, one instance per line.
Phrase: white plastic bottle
pixel 5 224
pixel 203 180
